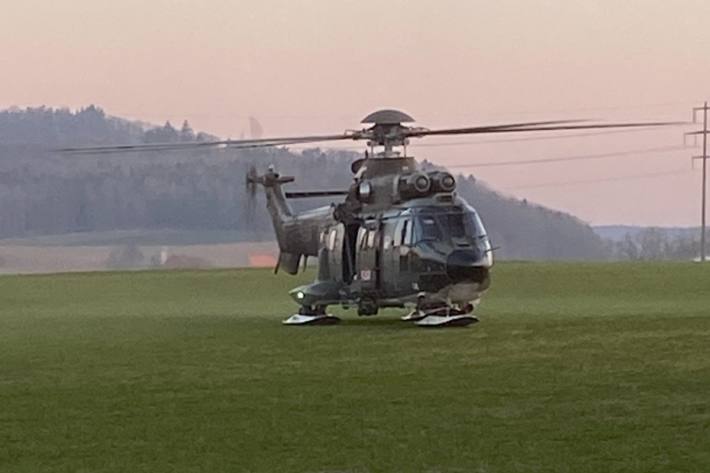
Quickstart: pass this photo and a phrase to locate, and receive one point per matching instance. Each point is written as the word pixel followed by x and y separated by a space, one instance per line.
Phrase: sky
pixel 320 66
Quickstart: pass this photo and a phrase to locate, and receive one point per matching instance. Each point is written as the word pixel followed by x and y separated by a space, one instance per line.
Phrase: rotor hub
pixel 387 130
pixel 387 117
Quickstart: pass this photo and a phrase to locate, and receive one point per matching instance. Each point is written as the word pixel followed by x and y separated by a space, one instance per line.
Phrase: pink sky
pixel 321 65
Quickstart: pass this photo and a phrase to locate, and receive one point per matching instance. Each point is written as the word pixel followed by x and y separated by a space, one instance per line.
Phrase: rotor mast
pixel 388 131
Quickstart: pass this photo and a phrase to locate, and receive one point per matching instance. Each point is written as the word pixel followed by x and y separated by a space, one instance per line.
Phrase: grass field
pixel 573 368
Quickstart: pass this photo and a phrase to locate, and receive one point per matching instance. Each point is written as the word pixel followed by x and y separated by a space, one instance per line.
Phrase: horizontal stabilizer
pixel 305 194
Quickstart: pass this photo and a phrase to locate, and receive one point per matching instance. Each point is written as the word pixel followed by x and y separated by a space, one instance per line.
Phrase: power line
pixel 351 117
pixel 539 111
pixel 604 179
pixel 580 157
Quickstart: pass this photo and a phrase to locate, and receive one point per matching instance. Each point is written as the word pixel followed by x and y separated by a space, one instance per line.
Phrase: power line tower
pixel 704 158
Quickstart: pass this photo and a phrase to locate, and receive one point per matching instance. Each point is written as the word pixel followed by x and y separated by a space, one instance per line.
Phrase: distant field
pixel 91 251
pixel 135 237
pixel 573 368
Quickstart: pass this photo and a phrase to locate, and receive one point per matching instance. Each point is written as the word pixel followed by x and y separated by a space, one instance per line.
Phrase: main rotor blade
pixel 193 145
pixel 550 125
pixel 416 132
pixel 522 128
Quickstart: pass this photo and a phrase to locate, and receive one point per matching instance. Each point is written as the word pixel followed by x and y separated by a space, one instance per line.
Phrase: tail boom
pixel 297 235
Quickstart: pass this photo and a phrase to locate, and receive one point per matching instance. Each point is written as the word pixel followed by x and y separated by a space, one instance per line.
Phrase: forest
pixel 46 193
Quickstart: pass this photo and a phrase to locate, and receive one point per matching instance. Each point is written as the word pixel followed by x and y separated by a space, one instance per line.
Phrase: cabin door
pixel 401 255
pixel 369 256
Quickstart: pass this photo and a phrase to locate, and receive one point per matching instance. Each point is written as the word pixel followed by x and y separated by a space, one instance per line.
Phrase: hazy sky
pixel 321 65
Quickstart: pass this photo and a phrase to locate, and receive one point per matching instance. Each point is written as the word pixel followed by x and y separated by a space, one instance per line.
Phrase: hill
pixel 47 194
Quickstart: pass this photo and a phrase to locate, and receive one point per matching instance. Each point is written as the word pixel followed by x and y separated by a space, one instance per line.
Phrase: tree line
pixel 654 244
pixel 45 193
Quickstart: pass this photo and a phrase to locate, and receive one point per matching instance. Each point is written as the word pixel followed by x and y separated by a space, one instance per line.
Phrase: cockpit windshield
pixel 438 224
pixel 428 228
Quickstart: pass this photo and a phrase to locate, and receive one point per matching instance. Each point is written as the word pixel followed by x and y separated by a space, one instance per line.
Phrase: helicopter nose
pixel 466 266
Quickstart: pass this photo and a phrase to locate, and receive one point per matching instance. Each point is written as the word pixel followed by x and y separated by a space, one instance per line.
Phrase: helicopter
pixel 398 237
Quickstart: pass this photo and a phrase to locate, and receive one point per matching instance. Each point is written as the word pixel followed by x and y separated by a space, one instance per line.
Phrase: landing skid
pixel 298 319
pixel 441 316
pixel 413 316
pixel 446 320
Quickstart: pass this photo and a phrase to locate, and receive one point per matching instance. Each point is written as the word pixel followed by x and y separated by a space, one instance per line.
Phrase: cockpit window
pixel 456 224
pixel 463 224
pixel 428 228
pixel 444 224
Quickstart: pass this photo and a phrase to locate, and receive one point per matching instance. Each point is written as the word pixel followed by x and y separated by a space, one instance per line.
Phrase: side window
pixel 406 235
pixel 404 232
pixel 397 232
pixel 362 239
pixel 331 239
pixel 371 234
pixel 387 235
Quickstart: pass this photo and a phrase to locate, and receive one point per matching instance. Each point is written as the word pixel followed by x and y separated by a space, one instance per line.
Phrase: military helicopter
pixel 399 238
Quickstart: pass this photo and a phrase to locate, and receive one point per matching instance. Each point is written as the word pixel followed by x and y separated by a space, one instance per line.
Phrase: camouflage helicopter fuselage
pixel 401 237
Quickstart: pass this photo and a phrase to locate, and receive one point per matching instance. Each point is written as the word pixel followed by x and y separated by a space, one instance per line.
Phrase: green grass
pixel 573 368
